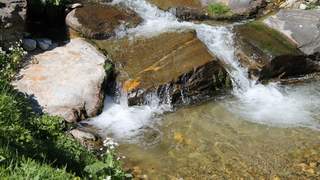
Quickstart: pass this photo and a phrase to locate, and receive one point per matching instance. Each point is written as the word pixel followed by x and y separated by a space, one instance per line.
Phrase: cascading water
pixel 267 104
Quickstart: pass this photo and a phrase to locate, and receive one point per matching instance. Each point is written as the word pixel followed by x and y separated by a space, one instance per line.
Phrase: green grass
pixel 218 9
pixel 35 146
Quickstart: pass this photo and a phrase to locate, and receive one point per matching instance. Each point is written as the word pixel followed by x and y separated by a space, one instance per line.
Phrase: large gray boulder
pixel 12 21
pixel 301 26
pixel 66 81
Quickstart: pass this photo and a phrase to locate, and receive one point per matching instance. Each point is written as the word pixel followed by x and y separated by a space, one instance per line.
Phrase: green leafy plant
pixel 218 9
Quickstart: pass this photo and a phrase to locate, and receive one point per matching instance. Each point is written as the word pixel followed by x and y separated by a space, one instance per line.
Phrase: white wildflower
pixel 108 178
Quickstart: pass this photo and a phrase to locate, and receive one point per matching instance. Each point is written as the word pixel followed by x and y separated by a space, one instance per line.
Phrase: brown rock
pixel 268 54
pixel 198 9
pixel 100 21
pixel 174 64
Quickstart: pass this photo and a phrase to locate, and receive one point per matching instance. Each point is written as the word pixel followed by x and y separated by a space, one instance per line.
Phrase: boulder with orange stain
pixel 66 81
pixel 176 65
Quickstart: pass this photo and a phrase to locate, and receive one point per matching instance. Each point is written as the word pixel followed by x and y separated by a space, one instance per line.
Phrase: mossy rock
pixel 257 36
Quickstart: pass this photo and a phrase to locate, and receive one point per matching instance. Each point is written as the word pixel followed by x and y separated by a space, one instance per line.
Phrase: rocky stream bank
pixel 70 77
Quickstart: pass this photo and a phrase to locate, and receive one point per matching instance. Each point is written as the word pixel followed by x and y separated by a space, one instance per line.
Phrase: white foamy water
pixel 267 104
pixel 126 123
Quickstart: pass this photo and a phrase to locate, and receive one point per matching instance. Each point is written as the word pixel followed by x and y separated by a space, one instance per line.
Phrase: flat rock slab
pixel 66 81
pixel 301 26
pixel 176 62
pixel 100 21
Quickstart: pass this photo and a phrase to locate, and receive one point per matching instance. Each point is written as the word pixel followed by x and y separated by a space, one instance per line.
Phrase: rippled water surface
pixel 208 141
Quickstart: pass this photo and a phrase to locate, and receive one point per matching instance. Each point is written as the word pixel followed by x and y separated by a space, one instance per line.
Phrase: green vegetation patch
pixel 266 39
pixel 218 9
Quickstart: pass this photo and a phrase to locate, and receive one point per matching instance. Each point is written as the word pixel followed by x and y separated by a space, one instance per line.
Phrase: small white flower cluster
pixel 107 178
pixel 2 51
pixel 16 48
pixel 110 144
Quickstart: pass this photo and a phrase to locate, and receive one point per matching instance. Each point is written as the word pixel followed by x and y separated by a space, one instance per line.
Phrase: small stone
pixel 29 44
pixel 44 44
pixel 82 136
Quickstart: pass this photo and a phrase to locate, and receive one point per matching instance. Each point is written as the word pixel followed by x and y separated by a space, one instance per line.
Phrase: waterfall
pixel 268 104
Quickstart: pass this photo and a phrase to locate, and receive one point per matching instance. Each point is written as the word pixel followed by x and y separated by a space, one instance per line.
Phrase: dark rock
pixel 101 21
pixel 44 44
pixel 29 44
pixel 287 66
pixel 268 54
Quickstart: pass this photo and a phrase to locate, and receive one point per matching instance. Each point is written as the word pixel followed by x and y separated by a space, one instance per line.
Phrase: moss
pixel 218 9
pixel 266 39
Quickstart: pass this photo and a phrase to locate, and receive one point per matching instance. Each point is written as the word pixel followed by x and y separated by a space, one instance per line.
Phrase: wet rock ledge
pixel 175 65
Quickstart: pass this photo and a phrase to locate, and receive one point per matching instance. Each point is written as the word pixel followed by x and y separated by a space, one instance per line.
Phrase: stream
pixel 256 131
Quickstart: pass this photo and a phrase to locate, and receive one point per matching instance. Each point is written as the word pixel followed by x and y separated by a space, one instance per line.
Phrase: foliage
pixel 218 8
pixel 35 146
pixel 9 62
pixel 314 5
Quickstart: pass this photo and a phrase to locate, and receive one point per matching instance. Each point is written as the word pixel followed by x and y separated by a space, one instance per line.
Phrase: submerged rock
pixel 302 27
pixel 101 21
pixel 66 81
pixel 268 54
pixel 172 65
pixel 200 9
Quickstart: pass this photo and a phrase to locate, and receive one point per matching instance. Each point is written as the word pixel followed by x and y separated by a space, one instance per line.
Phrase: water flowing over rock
pixel 12 21
pixel 302 27
pixel 174 65
pixel 66 81
pixel 268 54
pixel 101 21
pixel 198 9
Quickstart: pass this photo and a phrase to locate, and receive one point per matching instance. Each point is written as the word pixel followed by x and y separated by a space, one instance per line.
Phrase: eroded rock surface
pixel 66 81
pixel 100 21
pixel 301 26
pixel 175 65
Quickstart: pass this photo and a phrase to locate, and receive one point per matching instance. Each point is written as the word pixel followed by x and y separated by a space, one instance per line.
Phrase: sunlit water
pixel 251 134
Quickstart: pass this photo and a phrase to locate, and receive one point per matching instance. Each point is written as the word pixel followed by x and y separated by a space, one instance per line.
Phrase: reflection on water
pixel 207 141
